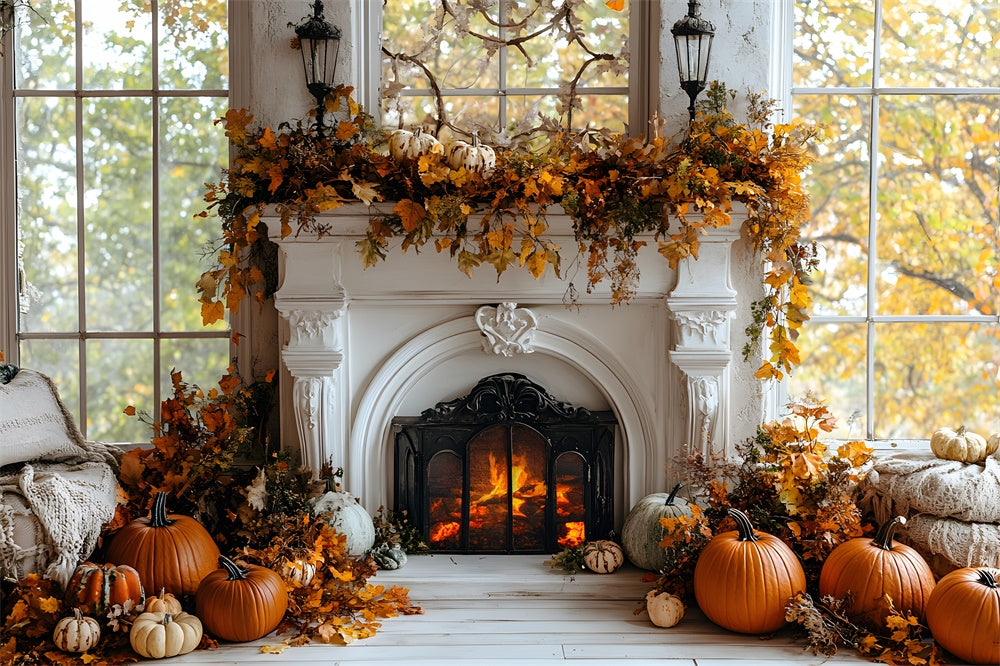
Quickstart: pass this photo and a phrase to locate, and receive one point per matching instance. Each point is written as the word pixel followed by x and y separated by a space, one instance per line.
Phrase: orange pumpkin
pixel 171 552
pixel 744 579
pixel 241 604
pixel 871 568
pixel 95 588
pixel 963 614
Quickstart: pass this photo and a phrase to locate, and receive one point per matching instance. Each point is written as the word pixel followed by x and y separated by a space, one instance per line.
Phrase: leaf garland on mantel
pixel 619 192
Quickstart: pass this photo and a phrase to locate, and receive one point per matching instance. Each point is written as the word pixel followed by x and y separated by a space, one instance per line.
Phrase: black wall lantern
pixel 319 44
pixel 693 40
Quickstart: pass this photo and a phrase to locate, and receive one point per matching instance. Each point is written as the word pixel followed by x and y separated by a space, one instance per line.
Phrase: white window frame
pixel 643 79
pixel 783 90
pixel 239 30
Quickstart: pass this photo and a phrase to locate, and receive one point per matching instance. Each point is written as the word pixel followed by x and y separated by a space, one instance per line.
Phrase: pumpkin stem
pixel 961 430
pixel 78 616
pixel 673 494
pixel 233 570
pixel 158 514
pixel 743 525
pixel 883 538
pixel 167 618
pixel 987 578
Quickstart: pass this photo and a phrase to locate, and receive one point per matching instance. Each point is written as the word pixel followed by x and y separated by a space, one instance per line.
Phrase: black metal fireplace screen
pixel 506 469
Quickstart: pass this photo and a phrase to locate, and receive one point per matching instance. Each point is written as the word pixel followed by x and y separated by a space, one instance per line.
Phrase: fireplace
pixel 506 469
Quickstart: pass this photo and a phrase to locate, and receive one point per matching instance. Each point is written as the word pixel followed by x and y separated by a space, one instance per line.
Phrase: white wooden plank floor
pixel 500 610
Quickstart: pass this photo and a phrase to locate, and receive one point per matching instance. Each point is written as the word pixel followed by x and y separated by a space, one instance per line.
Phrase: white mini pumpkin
pixel 349 518
pixel 470 156
pixel 665 609
pixel 159 635
pixel 960 445
pixel 77 633
pixel 993 444
pixel 406 146
pixel 298 573
pixel 164 603
pixel 602 556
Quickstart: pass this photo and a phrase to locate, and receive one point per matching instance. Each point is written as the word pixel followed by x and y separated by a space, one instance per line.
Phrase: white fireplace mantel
pixel 363 346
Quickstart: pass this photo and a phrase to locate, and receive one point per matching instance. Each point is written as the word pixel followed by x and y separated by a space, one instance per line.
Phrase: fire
pixel 444 531
pixel 526 486
pixel 574 536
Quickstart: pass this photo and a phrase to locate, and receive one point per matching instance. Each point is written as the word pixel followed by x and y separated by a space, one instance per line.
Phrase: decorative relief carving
pixel 311 323
pixel 307 394
pixel 703 326
pixel 508 329
pixel 506 397
pixel 705 396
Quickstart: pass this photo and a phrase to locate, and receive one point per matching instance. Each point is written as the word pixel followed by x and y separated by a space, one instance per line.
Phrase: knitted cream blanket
pixel 921 483
pixel 71 504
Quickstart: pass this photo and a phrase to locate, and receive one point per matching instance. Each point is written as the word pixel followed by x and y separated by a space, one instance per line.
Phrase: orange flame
pixel 574 536
pixel 444 531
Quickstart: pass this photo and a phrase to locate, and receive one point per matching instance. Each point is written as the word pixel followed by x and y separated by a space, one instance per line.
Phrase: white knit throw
pixel 71 503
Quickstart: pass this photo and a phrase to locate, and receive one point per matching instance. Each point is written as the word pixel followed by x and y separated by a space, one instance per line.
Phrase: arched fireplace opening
pixel 506 469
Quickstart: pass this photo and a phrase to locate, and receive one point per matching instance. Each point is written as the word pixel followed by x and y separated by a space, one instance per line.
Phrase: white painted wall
pixel 740 58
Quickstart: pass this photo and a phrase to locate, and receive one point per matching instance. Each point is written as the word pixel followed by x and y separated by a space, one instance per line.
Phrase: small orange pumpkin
pixel 963 614
pixel 744 579
pixel 170 551
pixel 241 604
pixel 871 568
pixel 95 588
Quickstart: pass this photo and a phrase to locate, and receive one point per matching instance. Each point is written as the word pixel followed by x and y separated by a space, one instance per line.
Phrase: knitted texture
pixel 70 504
pixel 921 483
pixel 962 544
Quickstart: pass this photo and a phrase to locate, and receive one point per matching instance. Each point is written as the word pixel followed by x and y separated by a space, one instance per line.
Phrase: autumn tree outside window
pixel 904 336
pixel 111 130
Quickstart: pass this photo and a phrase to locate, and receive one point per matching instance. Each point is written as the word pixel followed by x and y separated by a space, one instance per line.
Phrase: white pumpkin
pixel 406 146
pixel 349 518
pixel 960 445
pixel 642 533
pixel 665 609
pixel 298 573
pixel 602 556
pixel 164 603
pixel 993 444
pixel 77 633
pixel 159 635
pixel 470 156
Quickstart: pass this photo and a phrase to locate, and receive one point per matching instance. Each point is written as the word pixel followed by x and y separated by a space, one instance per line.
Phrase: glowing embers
pixel 508 493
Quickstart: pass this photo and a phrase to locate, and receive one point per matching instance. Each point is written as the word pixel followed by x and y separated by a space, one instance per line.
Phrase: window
pixel 113 102
pixel 904 336
pixel 506 68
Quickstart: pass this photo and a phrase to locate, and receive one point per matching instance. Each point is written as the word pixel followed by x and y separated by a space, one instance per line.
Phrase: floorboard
pixel 504 610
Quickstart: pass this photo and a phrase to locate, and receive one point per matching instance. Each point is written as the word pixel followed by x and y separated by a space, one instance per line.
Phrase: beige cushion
pixel 34 424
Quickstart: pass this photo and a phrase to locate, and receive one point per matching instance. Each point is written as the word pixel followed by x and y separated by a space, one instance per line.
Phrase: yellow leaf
pixel 267 139
pixel 536 263
pixel 345 130
pixel 856 453
pixel 366 192
pixel 615 5
pixel 410 214
pixel 273 649
pixel 212 312
pixel 88 658
pixel 49 604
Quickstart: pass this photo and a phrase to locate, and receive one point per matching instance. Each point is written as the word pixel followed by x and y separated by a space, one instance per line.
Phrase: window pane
pixel 194 44
pixel 833 369
pixel 116 45
pixel 548 61
pixel 118 200
pixel 929 375
pixel 833 43
pixel 44 50
pixel 191 154
pixel 610 111
pixel 60 360
pixel 938 183
pixel 119 374
pixel 46 142
pixel 839 198
pixel 201 362
pixel 931 44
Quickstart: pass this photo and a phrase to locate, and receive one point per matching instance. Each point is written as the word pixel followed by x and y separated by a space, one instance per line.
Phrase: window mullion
pixel 9 282
pixel 81 227
pixel 155 203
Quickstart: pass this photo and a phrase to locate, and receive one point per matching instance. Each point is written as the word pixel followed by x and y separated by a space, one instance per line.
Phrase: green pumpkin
pixel 387 557
pixel 641 534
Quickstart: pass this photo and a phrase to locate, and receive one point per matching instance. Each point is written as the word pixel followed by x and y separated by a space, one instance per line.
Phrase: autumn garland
pixel 617 190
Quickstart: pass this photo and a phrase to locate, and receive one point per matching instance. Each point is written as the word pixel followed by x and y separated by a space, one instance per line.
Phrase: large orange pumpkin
pixel 241 604
pixel 95 588
pixel 744 579
pixel 171 552
pixel 871 568
pixel 963 614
